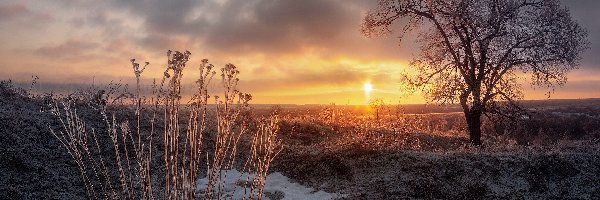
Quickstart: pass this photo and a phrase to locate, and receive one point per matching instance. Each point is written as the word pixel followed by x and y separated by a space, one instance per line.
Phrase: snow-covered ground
pixel 278 186
pixel 369 163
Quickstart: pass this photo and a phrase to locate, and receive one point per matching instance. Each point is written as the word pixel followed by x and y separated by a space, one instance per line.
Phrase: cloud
pixel 72 48
pixel 582 86
pixel 586 14
pixel 333 79
pixel 295 80
pixel 20 11
pixel 283 46
pixel 10 11
pixel 278 26
pixel 162 16
pixel 163 41
pixel 274 27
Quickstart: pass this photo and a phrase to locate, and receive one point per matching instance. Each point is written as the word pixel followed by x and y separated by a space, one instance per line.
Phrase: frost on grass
pixel 278 187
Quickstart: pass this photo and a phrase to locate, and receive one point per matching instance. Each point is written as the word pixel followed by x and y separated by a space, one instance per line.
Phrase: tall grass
pixel 174 188
pixel 228 132
pixel 265 147
pixel 98 171
pixel 129 175
pixel 74 138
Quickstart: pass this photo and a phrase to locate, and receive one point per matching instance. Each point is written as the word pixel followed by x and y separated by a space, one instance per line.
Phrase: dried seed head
pixel 246 97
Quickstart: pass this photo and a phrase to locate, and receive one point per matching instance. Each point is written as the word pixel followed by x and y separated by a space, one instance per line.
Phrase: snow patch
pixel 278 185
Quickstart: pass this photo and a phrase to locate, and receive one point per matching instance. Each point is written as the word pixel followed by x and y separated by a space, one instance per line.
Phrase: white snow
pixel 276 183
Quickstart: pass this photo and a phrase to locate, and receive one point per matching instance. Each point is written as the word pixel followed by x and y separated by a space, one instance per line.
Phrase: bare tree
pixel 474 51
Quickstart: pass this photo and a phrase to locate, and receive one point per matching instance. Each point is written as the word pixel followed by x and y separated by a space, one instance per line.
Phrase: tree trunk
pixel 474 123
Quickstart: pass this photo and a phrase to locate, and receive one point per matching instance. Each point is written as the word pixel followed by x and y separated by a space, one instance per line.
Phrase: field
pixel 353 152
pixel 414 154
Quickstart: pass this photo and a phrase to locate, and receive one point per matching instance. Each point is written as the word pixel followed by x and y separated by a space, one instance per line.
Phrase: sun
pixel 368 87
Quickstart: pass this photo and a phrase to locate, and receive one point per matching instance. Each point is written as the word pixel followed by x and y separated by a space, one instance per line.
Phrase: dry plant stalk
pixel 228 132
pixel 195 131
pixel 92 166
pixel 265 147
pixel 172 96
pixel 132 167
pixel 143 147
pixel 74 139
pixel 182 165
pixel 182 150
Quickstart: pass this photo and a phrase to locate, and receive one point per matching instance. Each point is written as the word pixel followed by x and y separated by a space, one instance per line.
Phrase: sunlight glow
pixel 368 87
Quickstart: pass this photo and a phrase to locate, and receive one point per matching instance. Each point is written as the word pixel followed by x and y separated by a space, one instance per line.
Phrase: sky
pixel 288 51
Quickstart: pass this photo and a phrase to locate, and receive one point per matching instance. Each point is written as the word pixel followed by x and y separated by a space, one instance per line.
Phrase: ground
pixel 416 154
pixel 406 152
